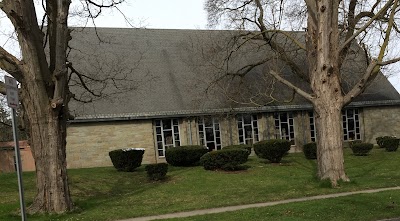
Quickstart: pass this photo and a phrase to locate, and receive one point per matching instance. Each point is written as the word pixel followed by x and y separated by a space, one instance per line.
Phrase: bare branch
pixel 366 25
pixel 312 9
pixel 389 62
pixel 10 64
pixel 388 31
pixel 2 88
pixel 370 74
pixel 82 81
pixel 292 86
pixel 5 124
pixel 277 48
pixel 102 5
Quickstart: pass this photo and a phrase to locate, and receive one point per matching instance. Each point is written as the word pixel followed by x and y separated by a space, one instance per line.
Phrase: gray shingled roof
pixel 167 72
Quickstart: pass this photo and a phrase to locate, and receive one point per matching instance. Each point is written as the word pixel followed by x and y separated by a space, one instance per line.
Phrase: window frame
pixel 278 122
pixel 347 118
pixel 346 121
pixel 216 132
pixel 159 123
pixel 255 132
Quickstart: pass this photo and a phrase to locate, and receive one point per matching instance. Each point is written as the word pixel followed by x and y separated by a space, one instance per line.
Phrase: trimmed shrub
pixel 240 146
pixel 310 150
pixel 361 149
pixel 272 150
pixel 390 143
pixel 157 171
pixel 352 142
pixel 185 155
pixel 225 159
pixel 126 159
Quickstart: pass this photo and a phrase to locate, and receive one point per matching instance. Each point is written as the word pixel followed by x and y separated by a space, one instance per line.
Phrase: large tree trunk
pixel 329 142
pixel 48 145
pixel 44 98
pixel 323 57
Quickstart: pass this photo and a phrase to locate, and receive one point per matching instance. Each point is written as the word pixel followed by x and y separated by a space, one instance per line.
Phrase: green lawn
pixel 105 194
pixel 361 207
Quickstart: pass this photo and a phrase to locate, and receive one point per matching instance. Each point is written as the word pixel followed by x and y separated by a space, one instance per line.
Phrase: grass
pixel 105 194
pixel 357 207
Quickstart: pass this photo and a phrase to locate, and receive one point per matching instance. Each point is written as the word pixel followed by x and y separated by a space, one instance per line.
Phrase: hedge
pixel 361 149
pixel 240 146
pixel 390 143
pixel 126 159
pixel 225 159
pixel 272 150
pixel 157 171
pixel 310 150
pixel 185 155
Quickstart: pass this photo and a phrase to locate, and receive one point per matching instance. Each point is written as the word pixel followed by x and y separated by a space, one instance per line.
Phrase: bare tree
pixel 333 28
pixel 43 74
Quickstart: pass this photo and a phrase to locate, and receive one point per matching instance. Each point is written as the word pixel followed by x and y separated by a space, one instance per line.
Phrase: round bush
pixel 272 150
pixel 391 144
pixel 352 142
pixel 157 171
pixel 310 150
pixel 361 149
pixel 225 159
pixel 387 142
pixel 240 146
pixel 126 159
pixel 185 155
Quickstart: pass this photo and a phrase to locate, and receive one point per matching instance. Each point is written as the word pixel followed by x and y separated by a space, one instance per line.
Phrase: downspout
pixel 190 132
pixel 230 130
pixel 303 119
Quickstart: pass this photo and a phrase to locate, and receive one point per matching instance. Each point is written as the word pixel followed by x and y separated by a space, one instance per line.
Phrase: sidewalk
pixel 256 205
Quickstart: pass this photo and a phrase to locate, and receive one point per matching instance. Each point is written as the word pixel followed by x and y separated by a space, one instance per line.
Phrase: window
pixel 312 126
pixel 167 134
pixel 209 133
pixel 248 129
pixel 351 124
pixel 284 127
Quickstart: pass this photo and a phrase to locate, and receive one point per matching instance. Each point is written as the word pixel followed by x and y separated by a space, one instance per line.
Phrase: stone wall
pixel 88 144
pixel 381 121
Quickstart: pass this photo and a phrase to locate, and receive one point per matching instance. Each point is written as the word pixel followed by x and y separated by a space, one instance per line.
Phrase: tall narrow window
pixel 351 124
pixel 312 126
pixel 209 133
pixel 248 129
pixel 167 133
pixel 284 126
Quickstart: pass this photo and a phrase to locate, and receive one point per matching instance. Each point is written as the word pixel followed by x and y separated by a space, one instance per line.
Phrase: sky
pixel 159 14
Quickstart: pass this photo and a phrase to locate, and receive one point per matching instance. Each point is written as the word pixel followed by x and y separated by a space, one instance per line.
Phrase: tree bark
pixel 39 87
pixel 323 57
pixel 47 138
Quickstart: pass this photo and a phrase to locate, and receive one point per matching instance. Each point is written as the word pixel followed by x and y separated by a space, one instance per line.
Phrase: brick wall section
pixel 88 144
pixel 7 154
pixel 382 121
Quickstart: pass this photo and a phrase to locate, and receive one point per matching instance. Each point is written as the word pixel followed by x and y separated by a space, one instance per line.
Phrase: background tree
pixel 332 27
pixel 5 123
pixel 44 94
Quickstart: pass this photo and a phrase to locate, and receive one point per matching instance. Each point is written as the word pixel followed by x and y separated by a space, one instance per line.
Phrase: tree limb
pixel 2 88
pixel 374 67
pixel 292 86
pixel 10 64
pixel 377 15
pixel 312 9
pixel 5 124
pixel 274 45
